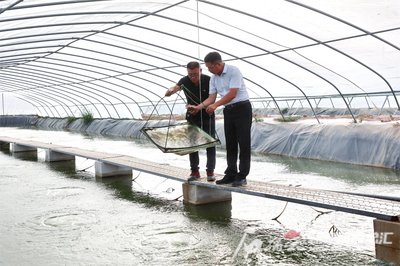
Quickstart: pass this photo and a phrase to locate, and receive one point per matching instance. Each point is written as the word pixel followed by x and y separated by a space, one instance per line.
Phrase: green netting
pixel 180 139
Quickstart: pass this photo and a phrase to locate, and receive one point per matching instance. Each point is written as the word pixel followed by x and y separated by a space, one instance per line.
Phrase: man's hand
pixel 211 108
pixel 193 109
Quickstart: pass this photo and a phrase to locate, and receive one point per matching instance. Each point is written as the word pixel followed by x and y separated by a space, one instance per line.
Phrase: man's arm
pixel 210 104
pixel 202 105
pixel 172 90
pixel 210 108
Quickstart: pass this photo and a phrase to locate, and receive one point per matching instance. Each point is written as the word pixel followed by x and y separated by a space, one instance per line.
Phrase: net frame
pixel 161 134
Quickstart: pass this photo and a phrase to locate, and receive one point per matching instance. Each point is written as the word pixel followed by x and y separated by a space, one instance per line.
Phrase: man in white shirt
pixel 228 82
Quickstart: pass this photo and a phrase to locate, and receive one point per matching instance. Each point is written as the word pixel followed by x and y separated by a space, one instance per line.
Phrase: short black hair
pixel 213 57
pixel 193 65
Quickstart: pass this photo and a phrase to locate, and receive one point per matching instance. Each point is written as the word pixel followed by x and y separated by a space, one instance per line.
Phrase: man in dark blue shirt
pixel 195 86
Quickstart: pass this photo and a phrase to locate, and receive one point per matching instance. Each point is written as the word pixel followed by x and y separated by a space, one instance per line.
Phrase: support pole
pixel 2 102
pixel 387 241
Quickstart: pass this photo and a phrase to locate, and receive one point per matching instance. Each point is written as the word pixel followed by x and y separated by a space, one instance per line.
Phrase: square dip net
pixel 180 139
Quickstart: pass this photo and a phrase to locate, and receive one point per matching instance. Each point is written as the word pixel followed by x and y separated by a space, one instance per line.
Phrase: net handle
pixel 170 116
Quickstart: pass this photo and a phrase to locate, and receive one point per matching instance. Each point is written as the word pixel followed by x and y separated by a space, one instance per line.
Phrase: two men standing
pixel 228 82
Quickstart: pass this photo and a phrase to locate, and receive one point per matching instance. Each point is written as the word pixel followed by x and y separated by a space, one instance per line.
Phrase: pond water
pixel 60 214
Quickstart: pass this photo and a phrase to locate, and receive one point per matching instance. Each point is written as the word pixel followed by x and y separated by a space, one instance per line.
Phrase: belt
pixel 233 105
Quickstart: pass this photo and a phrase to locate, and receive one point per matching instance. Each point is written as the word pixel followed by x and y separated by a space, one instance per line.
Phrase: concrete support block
pixel 123 181
pixel 202 195
pixel 14 147
pixel 53 156
pixel 105 170
pixel 4 145
pixel 387 241
pixel 217 211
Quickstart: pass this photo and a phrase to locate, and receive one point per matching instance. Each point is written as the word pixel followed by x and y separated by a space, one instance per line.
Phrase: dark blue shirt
pixel 193 95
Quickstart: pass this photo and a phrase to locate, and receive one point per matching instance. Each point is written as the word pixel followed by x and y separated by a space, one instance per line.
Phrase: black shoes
pixel 226 180
pixel 239 182
pixel 236 181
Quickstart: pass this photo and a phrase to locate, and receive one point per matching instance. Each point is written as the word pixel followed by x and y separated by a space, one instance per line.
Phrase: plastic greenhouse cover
pixel 116 58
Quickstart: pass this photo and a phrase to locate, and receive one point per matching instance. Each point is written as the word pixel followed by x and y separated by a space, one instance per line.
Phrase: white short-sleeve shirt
pixel 231 77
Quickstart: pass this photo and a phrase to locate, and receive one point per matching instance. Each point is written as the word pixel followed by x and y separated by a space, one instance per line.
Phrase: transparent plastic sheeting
pixel 115 59
pixel 180 139
pixel 363 144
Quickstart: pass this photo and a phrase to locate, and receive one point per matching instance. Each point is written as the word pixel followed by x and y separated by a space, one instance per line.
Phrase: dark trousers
pixel 208 125
pixel 237 126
